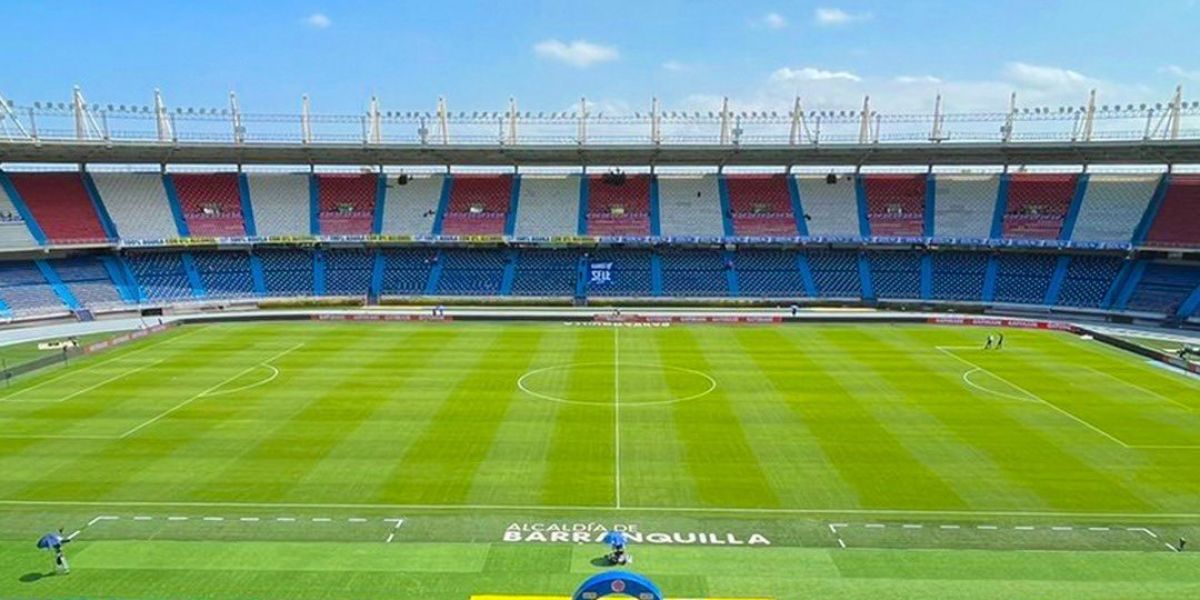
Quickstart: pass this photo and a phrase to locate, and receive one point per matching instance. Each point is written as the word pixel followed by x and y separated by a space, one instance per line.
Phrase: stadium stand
pixel 14 231
pixel 546 272
pixel 761 205
pixel 60 205
pixel 1024 278
pixel 24 291
pixel 1088 280
pixel 161 276
pixel 835 273
pixel 695 273
pixel 478 205
pixel 210 203
pixel 769 274
pixel 286 272
pixel 1112 207
pixel 690 207
pixel 630 273
pixel 958 276
pixel 466 272
pixel 618 207
pixel 896 204
pixel 1177 222
pixel 138 205
pixel 225 274
pixel 410 208
pixel 1037 205
pixel 348 271
pixel 1163 287
pixel 829 209
pixel 964 205
pixel 280 203
pixel 406 270
pixel 89 281
pixel 896 274
pixel 548 207
pixel 346 203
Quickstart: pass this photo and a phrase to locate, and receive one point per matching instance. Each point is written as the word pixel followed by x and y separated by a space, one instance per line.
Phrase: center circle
pixel 609 384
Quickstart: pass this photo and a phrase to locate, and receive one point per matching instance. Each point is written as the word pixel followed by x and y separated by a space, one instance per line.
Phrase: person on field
pixel 988 345
pixel 1182 543
pixel 60 559
pixel 1000 341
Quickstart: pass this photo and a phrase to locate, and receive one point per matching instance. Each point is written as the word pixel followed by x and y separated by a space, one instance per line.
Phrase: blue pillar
pixel 1135 277
pixel 318 259
pixel 22 209
pixel 726 206
pixel 443 203
pixel 989 279
pixel 1118 284
pixel 514 201
pixel 56 283
pixel 584 190
pixel 864 277
pixel 435 274
pixel 655 228
pixel 247 206
pixel 314 204
pixel 1190 305
pixel 930 204
pixel 806 276
pixel 380 196
pixel 134 284
pixel 376 277
pixel 731 274
pixel 193 274
pixel 1156 201
pixel 176 207
pixel 797 206
pixel 1056 280
pixel 1001 207
pixel 1072 216
pixel 510 272
pixel 926 276
pixel 582 277
pixel 860 195
pixel 106 222
pixel 656 276
pixel 258 275
pixel 126 289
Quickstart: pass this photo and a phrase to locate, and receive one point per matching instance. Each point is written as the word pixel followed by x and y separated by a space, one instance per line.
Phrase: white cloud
pixel 787 74
pixel 676 66
pixel 1180 72
pixel 832 17
pixel 774 20
pixel 1040 77
pixel 916 79
pixel 579 53
pixel 318 21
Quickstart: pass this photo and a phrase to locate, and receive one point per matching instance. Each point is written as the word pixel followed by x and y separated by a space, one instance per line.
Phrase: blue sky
pixel 618 53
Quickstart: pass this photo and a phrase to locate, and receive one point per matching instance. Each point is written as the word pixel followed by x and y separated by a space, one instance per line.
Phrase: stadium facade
pixel 1087 211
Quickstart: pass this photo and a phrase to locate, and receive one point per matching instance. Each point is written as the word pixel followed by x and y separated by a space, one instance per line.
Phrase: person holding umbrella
pixel 55 541
pixel 617 541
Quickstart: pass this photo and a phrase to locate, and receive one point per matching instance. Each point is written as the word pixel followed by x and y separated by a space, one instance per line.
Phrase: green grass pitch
pixel 352 460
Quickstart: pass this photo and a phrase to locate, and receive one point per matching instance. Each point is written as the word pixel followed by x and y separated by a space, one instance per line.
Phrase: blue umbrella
pixel 50 540
pixel 616 539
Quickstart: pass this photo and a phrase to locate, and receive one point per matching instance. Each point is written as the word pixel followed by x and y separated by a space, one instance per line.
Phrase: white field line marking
pixel 391 536
pixel 274 374
pixel 712 384
pixel 1145 531
pixel 833 527
pixel 177 518
pixel 594 508
pixel 207 391
pixel 19 436
pixel 1173 548
pixel 74 533
pixel 617 413
pixel 101 518
pixel 1039 398
pixel 100 364
pixel 1148 391
pixel 966 377
pixel 109 380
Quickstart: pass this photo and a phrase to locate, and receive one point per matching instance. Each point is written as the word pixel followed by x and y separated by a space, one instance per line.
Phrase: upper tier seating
pixel 690 207
pixel 835 273
pixel 138 205
pixel 478 205
pixel 1177 223
pixel 14 232
pixel 348 271
pixel 829 209
pixel 896 205
pixel 61 206
pixel 287 272
pixel 225 274
pixel 406 270
pixel 89 281
pixel 548 207
pixel 963 205
pixel 959 275
pixel 1024 278
pixel 700 273
pixel 628 272
pixel 769 274
pixel 280 203
pixel 411 208
pixel 211 204
pixel 1163 287
pixel 1112 207
pixel 161 276
pixel 24 292
pixel 619 208
pixel 1037 205
pixel 467 272
pixel 1088 280
pixel 761 205
pixel 546 272
pixel 346 203
pixel 896 274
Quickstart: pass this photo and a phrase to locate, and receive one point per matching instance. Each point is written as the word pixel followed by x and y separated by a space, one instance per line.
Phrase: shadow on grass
pixel 32 577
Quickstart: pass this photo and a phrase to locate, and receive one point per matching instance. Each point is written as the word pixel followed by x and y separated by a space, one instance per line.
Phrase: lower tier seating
pixel 24 291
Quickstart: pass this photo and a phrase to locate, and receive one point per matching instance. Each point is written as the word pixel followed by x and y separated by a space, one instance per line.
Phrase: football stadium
pixel 807 351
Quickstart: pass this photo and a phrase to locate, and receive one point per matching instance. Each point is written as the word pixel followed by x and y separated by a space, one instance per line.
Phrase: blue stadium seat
pixel 348 271
pixel 471 272
pixel 160 275
pixel 896 274
pixel 225 274
pixel 835 273
pixel 88 281
pixel 1088 280
pixel 546 273
pixel 697 273
pixel 287 272
pixel 1024 278
pixel 25 292
pixel 958 276
pixel 630 273
pixel 769 274
pixel 1163 287
pixel 406 270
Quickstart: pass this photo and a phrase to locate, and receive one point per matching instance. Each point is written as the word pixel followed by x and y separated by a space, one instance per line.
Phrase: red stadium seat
pixel 60 205
pixel 619 208
pixel 1178 220
pixel 1037 205
pixel 211 204
pixel 478 205
pixel 346 203
pixel 896 204
pixel 761 205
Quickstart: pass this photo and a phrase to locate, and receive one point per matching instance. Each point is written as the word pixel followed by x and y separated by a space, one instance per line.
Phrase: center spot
pixel 606 384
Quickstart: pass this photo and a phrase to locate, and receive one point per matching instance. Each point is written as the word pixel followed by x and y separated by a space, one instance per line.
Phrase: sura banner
pixel 593 533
